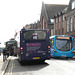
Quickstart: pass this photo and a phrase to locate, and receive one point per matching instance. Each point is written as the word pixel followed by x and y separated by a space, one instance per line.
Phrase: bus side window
pixel 52 43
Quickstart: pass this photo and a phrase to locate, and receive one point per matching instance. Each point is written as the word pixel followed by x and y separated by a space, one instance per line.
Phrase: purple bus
pixel 33 44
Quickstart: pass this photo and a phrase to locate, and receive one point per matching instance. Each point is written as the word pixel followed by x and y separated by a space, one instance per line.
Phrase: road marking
pixel 10 67
pixel 3 72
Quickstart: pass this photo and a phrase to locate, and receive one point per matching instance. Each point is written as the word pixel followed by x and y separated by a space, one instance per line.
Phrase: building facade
pixel 70 20
pixel 47 16
pixel 64 21
pixel 59 23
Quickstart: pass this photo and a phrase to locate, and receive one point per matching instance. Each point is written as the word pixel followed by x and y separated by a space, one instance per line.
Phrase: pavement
pixel 3 65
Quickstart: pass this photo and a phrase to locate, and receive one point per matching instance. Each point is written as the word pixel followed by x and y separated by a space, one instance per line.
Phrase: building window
pixel 52 32
pixel 59 19
pixel 71 25
pixel 63 17
pixel 56 20
pixel 55 32
pixel 43 23
pixel 52 20
pixel 56 27
pixel 73 4
pixel 62 31
pixel 63 28
pixel 67 25
pixel 59 32
pixel 63 25
pixel 74 22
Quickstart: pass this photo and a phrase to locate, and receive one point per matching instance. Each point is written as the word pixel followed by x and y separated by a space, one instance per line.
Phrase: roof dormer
pixel 73 5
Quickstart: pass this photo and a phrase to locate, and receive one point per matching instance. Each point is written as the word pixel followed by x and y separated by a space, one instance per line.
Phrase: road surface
pixel 49 67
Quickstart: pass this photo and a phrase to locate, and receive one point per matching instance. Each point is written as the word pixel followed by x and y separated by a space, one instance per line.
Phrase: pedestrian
pixel 7 53
pixel 4 54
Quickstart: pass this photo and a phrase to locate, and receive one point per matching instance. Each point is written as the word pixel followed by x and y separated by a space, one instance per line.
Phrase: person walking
pixel 4 54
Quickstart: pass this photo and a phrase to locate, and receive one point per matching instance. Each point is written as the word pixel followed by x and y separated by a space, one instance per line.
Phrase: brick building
pixel 59 22
pixel 70 19
pixel 64 21
pixel 47 16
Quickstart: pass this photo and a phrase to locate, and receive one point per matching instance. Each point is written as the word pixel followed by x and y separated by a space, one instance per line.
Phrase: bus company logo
pixel 33 44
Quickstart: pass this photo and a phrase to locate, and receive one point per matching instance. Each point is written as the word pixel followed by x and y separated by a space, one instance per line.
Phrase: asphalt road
pixel 49 67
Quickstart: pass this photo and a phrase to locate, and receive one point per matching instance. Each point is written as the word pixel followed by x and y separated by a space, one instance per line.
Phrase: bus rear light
pixel 8 44
pixel 48 46
pixel 15 44
pixel 21 48
pixel 48 56
pixel 48 49
pixel 47 31
pixel 21 32
pixel 22 58
pixel 21 52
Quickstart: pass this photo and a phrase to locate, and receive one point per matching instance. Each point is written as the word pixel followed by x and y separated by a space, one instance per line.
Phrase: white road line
pixel 3 72
pixel 11 67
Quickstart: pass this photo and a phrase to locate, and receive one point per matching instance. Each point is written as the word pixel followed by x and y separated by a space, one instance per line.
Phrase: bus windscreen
pixel 64 44
pixel 10 42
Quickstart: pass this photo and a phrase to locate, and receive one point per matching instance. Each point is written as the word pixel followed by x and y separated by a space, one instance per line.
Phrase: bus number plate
pixel 36 57
pixel 63 55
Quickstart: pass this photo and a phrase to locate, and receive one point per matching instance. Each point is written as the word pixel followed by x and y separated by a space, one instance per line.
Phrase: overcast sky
pixel 14 14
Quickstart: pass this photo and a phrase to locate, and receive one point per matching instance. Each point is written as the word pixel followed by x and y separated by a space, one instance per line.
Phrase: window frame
pixel 73 5
pixel 71 25
pixel 67 25
pixel 74 22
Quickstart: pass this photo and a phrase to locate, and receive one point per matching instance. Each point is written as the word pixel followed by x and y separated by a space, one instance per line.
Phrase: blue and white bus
pixel 61 46
pixel 33 44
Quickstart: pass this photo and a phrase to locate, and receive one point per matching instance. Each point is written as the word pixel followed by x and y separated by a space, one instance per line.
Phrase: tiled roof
pixel 52 9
